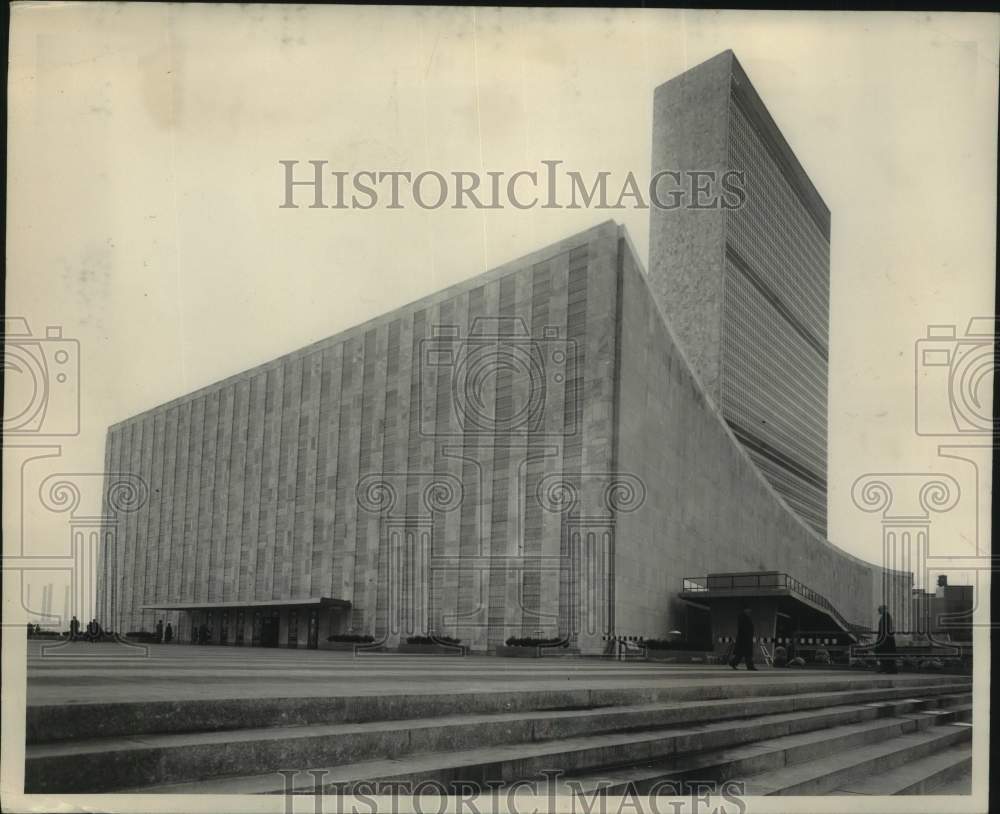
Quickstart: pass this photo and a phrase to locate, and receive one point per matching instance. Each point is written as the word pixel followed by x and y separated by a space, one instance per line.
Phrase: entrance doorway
pixel 269 631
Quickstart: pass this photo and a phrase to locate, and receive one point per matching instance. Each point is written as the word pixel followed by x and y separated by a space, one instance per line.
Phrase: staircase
pixel 857 735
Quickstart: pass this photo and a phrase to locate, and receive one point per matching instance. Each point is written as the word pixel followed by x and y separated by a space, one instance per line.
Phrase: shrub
pixel 356 638
pixel 142 636
pixel 798 661
pixel 780 656
pixel 821 656
pixel 432 640
pixel 661 644
pixel 533 641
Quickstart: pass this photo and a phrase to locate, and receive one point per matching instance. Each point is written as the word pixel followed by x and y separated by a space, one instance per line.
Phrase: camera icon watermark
pixel 954 379
pixel 502 380
pixel 43 381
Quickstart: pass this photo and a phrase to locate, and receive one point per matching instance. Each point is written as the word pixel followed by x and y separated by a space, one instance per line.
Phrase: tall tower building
pixel 746 289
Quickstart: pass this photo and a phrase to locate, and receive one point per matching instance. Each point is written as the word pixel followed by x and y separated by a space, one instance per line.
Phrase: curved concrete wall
pixel 708 508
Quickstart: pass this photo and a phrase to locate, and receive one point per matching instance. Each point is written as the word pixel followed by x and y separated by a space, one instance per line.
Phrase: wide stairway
pixel 856 735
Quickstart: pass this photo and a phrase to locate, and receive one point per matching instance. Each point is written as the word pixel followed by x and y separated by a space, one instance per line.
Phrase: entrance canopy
pixel 794 597
pixel 315 602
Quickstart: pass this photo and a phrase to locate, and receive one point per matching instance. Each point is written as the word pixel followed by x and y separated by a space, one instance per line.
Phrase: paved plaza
pixel 98 673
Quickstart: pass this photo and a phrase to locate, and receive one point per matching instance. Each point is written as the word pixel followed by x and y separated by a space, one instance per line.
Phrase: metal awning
pixel 772 584
pixel 313 602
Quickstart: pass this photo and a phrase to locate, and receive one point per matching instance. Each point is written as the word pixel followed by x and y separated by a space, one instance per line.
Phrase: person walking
pixel 743 648
pixel 885 645
pixel 159 631
pixel 168 635
pixel 74 628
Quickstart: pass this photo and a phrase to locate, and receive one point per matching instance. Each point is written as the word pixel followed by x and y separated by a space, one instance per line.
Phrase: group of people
pixel 165 635
pixel 885 644
pixel 93 633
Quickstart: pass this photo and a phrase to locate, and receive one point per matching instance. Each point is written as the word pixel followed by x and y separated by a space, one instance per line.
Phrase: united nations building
pixel 576 445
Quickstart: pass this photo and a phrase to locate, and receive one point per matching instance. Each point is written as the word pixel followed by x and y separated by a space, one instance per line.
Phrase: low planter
pixel 349 646
pixel 519 652
pixel 679 656
pixel 433 649
pixel 535 651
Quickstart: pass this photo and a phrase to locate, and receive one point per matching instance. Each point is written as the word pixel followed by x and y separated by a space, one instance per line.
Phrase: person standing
pixel 168 635
pixel 159 631
pixel 743 648
pixel 74 628
pixel 885 645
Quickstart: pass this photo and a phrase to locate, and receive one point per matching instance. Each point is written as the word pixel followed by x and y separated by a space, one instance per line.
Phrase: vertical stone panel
pixel 347 474
pixel 484 451
pixel 196 453
pixel 445 426
pixel 305 478
pixel 577 282
pixel 140 618
pixel 132 464
pixel 326 479
pixel 232 580
pixel 114 538
pixel 287 469
pixel 448 527
pixel 206 497
pixel 164 544
pixel 220 493
pixel 527 393
pixel 253 493
pixel 271 446
pixel 472 575
pixel 411 617
pixel 177 534
pixel 156 505
pixel 372 447
pixel 558 433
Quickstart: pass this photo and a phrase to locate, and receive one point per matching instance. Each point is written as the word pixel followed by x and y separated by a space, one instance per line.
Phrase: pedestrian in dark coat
pixel 743 648
pixel 168 635
pixel 885 645
pixel 159 631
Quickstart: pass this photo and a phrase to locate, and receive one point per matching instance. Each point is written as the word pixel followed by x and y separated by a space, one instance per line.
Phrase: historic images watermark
pixel 550 790
pixel 954 375
pixel 41 407
pixel 547 187
pixel 42 374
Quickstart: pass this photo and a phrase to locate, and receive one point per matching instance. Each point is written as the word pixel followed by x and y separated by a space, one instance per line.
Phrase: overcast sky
pixel 145 187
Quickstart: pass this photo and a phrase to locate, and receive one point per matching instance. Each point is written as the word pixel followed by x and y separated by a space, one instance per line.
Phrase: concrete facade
pixel 527 453
pixel 746 287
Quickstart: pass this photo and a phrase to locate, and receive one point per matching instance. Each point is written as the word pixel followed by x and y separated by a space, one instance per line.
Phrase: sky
pixel 145 189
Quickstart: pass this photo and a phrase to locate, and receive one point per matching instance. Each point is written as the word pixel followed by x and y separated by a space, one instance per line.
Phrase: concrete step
pixel 924 776
pixel 51 723
pixel 742 761
pixel 508 762
pixel 960 784
pixel 103 763
pixel 825 775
